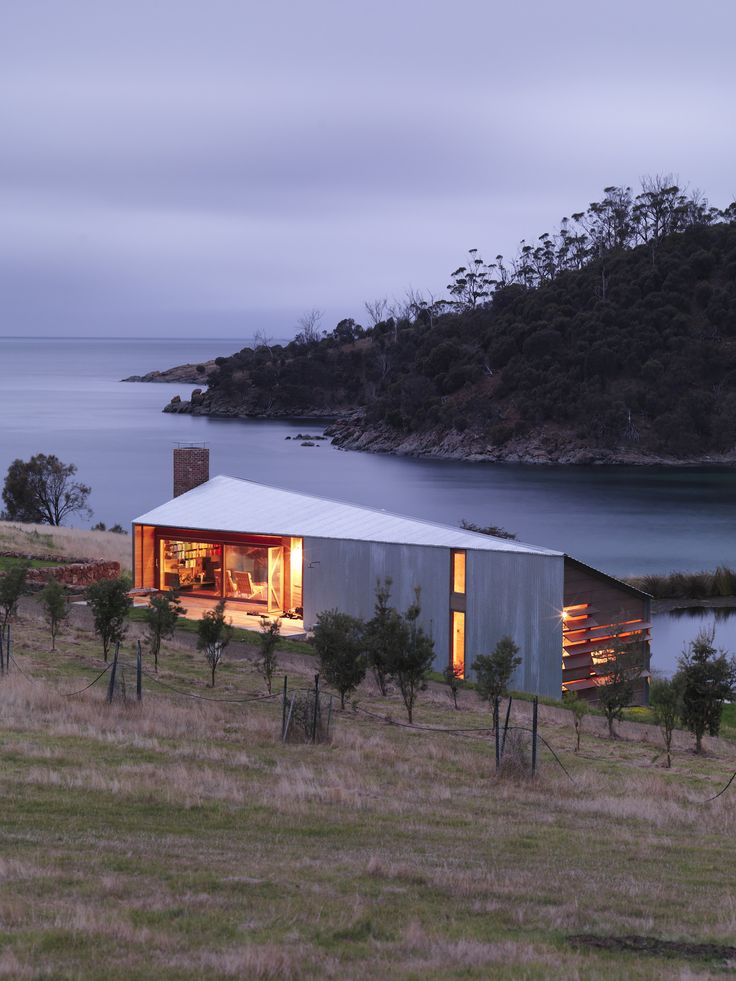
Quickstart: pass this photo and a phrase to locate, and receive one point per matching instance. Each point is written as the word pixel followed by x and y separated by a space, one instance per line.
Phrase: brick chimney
pixel 191 468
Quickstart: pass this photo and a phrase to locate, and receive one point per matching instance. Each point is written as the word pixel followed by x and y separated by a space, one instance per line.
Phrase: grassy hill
pixel 181 838
pixel 40 541
pixel 632 356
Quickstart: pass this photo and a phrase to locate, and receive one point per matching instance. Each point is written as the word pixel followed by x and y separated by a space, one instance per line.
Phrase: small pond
pixel 674 630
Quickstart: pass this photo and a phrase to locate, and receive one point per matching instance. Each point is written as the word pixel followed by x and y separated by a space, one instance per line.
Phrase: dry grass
pixel 180 838
pixel 41 540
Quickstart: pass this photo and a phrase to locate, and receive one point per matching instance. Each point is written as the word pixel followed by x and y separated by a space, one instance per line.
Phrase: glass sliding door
pixel 275 579
pixel 254 574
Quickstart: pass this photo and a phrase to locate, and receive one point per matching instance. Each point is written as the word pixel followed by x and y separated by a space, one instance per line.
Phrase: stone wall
pixel 75 574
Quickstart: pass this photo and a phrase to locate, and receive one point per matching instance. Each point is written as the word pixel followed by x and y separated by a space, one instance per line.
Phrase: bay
pixel 64 396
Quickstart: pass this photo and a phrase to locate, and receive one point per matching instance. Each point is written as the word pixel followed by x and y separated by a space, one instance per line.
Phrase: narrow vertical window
pixel 458 643
pixel 458 572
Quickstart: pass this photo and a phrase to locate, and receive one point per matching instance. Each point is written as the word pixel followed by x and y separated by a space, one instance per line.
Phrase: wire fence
pixel 306 713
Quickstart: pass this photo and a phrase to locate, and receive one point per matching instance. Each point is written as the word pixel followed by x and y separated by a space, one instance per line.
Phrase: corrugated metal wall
pixel 340 574
pixel 518 595
pixel 507 593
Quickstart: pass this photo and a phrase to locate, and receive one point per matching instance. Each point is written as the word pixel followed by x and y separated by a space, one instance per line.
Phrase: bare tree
pixel 376 309
pixel 309 327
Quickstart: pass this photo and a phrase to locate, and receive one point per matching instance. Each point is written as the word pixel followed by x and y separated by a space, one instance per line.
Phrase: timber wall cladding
pixel 598 613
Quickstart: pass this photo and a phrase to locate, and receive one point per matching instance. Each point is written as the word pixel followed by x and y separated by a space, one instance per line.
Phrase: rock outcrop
pixel 187 374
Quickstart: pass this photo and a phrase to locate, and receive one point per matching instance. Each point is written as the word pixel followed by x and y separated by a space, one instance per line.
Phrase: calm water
pixel 671 632
pixel 65 397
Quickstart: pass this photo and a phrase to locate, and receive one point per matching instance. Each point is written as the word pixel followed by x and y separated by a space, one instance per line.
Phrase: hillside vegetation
pixel 613 339
pixel 180 837
pixel 41 541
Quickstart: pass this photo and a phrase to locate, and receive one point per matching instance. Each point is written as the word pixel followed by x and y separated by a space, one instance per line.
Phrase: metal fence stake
pixel 139 673
pixel 288 718
pixel 283 709
pixel 496 727
pixel 113 672
pixel 316 708
pixel 535 711
pixel 506 725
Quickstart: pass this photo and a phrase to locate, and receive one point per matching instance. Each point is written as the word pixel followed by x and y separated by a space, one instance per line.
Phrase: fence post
pixel 316 708
pixel 288 718
pixel 113 671
pixel 8 649
pixel 506 725
pixel 535 709
pixel 2 649
pixel 496 727
pixel 283 710
pixel 329 718
pixel 139 673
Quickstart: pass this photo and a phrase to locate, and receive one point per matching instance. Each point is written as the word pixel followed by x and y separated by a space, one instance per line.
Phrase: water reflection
pixel 718 612
pixel 673 632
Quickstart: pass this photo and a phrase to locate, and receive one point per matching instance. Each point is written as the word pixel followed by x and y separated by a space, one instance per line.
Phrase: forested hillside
pixel 615 338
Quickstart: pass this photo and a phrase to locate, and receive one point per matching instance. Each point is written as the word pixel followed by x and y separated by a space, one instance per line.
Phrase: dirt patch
pixel 655 946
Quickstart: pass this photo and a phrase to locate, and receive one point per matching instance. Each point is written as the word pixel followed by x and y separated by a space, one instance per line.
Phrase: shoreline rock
pixel 185 374
pixel 546 447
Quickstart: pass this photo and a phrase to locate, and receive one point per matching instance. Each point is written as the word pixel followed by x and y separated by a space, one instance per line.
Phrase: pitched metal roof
pixel 234 504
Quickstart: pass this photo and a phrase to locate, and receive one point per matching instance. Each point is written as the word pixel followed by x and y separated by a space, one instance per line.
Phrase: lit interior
pixel 265 578
pixel 458 643
pixel 458 572
pixel 296 563
pixel 590 640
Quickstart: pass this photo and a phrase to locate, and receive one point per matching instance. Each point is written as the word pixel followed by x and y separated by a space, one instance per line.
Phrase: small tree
pixel 55 604
pixel 161 616
pixel 383 635
pixel 495 531
pixel 707 678
pixel 579 708
pixel 213 636
pixel 12 587
pixel 42 489
pixel 665 699
pixel 340 643
pixel 453 677
pixel 494 671
pixel 269 638
pixel 623 669
pixel 109 601
pixel 411 659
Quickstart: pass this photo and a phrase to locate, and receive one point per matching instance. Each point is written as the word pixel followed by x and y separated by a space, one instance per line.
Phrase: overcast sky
pixel 185 166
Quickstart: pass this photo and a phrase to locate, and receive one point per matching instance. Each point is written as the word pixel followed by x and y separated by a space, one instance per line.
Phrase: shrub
pixel 213 636
pixel 109 601
pixel 340 643
pixel 55 605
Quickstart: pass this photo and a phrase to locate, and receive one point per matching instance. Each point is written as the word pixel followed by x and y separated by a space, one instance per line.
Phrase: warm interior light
pixel 295 566
pixel 458 643
pixel 458 572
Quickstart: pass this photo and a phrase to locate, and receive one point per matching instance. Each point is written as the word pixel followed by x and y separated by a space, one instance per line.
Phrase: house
pixel 275 552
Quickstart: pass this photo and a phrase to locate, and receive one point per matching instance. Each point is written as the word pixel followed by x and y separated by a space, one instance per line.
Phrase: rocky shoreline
pixel 184 374
pixel 546 446
pixel 349 430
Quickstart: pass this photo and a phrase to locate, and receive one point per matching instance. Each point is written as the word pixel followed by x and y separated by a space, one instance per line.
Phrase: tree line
pixel 615 331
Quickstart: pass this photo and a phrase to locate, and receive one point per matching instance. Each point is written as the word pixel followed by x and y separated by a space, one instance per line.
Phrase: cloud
pixel 231 156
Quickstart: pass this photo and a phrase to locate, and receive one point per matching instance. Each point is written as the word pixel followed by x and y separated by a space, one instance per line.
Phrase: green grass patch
pixel 11 561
